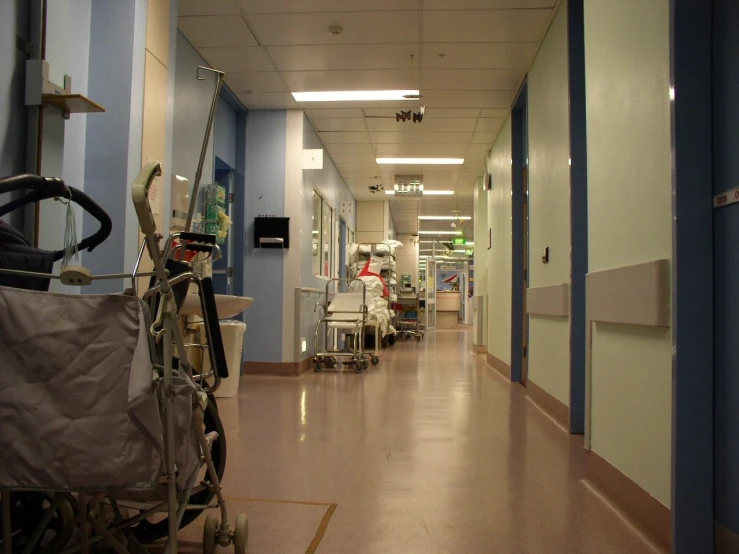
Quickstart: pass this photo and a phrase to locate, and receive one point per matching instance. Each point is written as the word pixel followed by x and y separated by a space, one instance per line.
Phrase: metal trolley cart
pixel 408 320
pixel 344 313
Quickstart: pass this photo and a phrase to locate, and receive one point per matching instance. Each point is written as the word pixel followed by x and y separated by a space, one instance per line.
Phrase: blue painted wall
pixel 13 23
pixel 265 195
pixel 726 262
pixel 108 151
pixel 225 133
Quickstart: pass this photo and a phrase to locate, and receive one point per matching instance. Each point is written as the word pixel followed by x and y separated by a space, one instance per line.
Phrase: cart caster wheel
pixel 241 534
pixel 418 338
pixel 316 366
pixel 209 534
pixel 375 360
pixel 330 362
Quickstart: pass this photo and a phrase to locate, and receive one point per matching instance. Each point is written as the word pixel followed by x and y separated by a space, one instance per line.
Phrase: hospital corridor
pixel 369 276
pixel 434 453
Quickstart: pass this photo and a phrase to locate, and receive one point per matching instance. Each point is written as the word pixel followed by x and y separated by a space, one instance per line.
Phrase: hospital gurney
pixel 345 314
pixel 98 417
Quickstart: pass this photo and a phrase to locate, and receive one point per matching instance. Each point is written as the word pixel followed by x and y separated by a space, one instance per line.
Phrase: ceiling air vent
pixel 408 185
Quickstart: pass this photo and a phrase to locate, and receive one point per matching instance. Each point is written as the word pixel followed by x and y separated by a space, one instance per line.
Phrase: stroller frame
pixel 352 322
pixel 164 330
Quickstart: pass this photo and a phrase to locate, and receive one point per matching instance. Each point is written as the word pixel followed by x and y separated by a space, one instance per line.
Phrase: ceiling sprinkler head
pixel 335 30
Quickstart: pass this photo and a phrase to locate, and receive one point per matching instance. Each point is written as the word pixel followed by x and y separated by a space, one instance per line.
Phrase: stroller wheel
pixel 241 534
pixel 209 534
pixel 149 531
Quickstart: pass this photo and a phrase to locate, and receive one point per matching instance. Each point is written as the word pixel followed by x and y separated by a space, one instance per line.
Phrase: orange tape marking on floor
pixel 321 527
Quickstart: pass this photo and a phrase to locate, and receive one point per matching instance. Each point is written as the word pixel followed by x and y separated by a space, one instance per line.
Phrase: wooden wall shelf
pixel 72 103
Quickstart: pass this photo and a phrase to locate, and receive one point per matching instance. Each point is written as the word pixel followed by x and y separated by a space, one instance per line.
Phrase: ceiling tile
pixel 264 81
pixel 489 123
pixel 419 138
pixel 216 30
pixel 351 149
pixel 484 137
pixel 348 159
pixel 268 101
pixel 420 150
pixel 427 125
pixel 325 114
pixel 207 7
pixel 237 60
pixel 350 56
pixel 358 28
pixel 468 98
pixel 361 174
pixel 485 25
pixel 501 113
pixel 381 79
pixel 344 137
pixel 472 79
pixel 430 113
pixel 345 167
pixel 297 6
pixel 486 4
pixel 340 124
pixel 479 56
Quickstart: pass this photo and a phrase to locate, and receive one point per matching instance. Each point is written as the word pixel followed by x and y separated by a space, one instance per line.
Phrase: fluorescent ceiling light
pixel 439 232
pixel 443 217
pixel 430 192
pixel 421 161
pixel 355 95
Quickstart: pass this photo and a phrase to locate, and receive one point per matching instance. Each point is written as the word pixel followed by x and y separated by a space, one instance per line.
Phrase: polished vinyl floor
pixel 429 452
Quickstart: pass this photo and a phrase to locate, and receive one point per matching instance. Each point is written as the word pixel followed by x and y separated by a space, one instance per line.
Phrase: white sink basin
pixel 227 305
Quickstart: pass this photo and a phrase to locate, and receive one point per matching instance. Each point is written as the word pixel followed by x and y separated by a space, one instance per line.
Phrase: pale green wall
pixel 549 204
pixel 481 252
pixel 499 255
pixel 629 205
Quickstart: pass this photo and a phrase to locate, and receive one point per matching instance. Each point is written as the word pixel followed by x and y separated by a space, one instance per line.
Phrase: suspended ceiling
pixel 467 58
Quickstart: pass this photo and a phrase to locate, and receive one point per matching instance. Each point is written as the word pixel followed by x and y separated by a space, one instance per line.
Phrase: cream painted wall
pixel 370 222
pixel 629 205
pixel 481 251
pixel 549 204
pixel 499 256
pixel 407 259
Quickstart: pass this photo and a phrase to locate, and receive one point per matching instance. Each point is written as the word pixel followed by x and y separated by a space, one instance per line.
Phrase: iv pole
pixel 206 139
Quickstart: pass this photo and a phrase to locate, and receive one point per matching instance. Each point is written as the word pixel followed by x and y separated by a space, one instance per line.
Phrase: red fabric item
pixel 367 273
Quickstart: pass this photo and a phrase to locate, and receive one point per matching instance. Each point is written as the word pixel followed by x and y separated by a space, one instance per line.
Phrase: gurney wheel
pixel 241 534
pixel 209 534
pixel 375 360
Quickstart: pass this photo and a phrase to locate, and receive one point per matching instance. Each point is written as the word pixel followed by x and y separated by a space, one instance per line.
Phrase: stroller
pixel 108 433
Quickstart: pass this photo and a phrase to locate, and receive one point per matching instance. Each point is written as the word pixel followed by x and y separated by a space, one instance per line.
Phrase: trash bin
pixel 232 332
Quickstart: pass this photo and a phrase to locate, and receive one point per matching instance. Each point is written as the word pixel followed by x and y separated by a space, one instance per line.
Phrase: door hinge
pixel 524 351
pixel 229 272
pixel 231 197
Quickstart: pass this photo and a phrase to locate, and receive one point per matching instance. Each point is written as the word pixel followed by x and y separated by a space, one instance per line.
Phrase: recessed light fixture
pixel 421 161
pixel 355 95
pixel 439 232
pixel 429 192
pixel 444 217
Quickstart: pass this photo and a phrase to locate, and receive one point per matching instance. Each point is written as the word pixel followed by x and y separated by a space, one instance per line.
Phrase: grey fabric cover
pixel 78 410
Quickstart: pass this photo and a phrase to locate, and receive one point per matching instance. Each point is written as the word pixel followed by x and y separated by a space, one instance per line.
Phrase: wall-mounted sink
pixel 228 306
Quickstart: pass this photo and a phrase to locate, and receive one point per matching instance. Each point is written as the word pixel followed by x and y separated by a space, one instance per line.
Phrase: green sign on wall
pixel 459 240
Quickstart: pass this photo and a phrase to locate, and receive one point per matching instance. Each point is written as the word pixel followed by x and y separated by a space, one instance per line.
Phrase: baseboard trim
pixel 479 349
pixel 644 511
pixel 499 365
pixel 548 404
pixel 726 540
pixel 280 369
